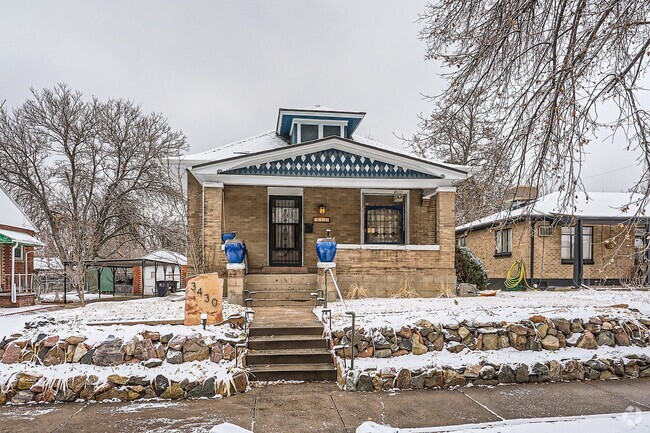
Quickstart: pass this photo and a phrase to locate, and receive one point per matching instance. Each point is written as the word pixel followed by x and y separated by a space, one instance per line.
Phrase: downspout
pixel 532 252
pixel 13 273
pixel 203 226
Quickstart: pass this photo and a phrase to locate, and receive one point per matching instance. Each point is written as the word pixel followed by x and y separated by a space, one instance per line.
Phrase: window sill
pixel 388 247
pixel 502 254
pixel 584 262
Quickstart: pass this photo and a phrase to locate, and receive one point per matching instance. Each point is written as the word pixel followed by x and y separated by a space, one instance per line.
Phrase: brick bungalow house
pixel 392 212
pixel 613 247
pixel 17 242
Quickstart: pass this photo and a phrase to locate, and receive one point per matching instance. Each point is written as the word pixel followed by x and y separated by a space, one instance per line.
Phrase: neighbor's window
pixel 504 241
pixel 308 132
pixel 587 243
pixel 18 252
pixel 462 241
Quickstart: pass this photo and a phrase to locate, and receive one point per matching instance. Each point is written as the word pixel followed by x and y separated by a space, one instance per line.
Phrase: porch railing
pixel 24 283
pixel 350 313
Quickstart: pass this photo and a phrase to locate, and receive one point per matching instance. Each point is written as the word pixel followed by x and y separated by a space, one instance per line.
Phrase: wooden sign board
pixel 204 294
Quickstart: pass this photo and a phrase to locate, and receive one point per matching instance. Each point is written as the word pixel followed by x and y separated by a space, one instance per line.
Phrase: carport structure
pixel 164 260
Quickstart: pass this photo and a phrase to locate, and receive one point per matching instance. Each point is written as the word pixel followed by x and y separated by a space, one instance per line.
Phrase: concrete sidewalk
pixel 323 408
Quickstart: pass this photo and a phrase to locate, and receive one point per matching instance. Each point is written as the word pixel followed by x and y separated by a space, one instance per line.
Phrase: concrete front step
pixel 281 295
pixel 285 279
pixel 282 303
pixel 313 328
pixel 288 356
pixel 275 342
pixel 309 372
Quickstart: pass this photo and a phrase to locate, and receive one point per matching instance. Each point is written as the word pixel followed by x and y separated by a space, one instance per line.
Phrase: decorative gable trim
pixel 331 163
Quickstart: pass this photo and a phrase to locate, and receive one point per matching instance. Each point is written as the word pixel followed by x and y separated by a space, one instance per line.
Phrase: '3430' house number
pixel 204 296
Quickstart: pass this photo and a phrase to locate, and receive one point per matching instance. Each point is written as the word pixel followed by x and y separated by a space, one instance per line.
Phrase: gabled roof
pixel 11 215
pixel 167 257
pixel 270 141
pixel 614 206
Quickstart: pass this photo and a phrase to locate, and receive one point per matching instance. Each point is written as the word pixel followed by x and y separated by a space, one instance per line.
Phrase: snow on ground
pixel 628 422
pixel 74 321
pixel 509 356
pixel 196 370
pixel 506 306
pixel 73 297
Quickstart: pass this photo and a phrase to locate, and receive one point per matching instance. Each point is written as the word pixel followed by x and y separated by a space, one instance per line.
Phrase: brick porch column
pixel 235 282
pixel 324 282
pixel 137 280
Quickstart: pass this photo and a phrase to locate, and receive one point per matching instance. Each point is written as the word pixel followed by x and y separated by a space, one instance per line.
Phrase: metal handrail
pixel 346 311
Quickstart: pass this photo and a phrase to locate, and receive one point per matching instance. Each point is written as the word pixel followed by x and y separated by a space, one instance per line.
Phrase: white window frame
pixel 385 192
pixel 296 126
pixel 498 241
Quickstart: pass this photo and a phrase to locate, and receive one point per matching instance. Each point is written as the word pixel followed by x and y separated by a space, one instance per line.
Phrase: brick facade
pixel 137 280
pixel 615 264
pixel 26 265
pixel 245 210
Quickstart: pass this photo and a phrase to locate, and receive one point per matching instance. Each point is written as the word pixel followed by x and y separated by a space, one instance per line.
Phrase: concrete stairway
pixel 274 290
pixel 287 344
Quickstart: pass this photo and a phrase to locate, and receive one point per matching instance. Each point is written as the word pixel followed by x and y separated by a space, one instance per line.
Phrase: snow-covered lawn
pixel 506 306
pixel 508 356
pixel 73 321
pixel 627 422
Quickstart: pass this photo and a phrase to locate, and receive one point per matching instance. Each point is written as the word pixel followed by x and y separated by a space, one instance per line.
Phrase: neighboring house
pixel 124 276
pixel 17 242
pixel 391 211
pixel 613 246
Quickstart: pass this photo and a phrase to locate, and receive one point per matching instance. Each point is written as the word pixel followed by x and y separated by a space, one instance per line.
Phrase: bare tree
pixel 463 134
pixel 93 174
pixel 545 75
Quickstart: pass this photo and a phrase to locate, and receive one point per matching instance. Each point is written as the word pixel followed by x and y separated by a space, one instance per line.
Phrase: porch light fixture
pixel 322 209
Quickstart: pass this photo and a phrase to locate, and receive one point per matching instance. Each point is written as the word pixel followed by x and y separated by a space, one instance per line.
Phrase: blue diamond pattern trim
pixel 331 163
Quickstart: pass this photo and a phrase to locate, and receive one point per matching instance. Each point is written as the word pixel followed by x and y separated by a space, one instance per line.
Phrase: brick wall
pixel 614 263
pixel 137 280
pixel 21 266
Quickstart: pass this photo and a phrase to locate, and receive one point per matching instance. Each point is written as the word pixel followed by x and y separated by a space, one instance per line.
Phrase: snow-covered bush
pixel 470 269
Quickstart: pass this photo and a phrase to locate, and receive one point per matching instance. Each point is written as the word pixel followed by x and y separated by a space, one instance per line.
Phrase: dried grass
pixel 406 290
pixel 357 291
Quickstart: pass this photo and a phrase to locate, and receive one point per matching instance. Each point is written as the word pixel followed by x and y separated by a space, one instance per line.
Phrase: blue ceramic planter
pixel 228 236
pixel 326 249
pixel 235 251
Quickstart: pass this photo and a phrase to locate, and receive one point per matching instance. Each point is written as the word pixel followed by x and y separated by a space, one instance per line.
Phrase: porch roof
pixel 11 237
pixel 268 159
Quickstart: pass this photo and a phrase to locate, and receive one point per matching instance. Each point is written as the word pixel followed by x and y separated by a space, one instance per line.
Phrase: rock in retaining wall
pixel 493 374
pixel 537 333
pixel 150 347
pixel 27 387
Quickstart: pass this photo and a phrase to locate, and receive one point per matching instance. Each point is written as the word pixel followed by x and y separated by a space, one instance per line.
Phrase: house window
pixel 587 244
pixel 19 253
pixel 308 132
pixel 384 219
pixel 462 241
pixel 504 242
pixel 331 131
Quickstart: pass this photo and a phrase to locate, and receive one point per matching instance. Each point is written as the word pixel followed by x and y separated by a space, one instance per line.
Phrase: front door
pixel 285 230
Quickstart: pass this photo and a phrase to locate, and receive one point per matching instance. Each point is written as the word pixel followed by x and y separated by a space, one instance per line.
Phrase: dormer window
pixel 304 130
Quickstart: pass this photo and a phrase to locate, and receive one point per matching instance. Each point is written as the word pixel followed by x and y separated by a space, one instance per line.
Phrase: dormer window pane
pixel 331 130
pixel 308 132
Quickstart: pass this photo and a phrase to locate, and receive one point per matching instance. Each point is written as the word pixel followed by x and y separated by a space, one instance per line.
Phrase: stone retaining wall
pixel 27 386
pixel 492 374
pixel 51 350
pixel 537 333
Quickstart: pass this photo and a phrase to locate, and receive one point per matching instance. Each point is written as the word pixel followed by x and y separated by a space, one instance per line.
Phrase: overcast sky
pixel 220 70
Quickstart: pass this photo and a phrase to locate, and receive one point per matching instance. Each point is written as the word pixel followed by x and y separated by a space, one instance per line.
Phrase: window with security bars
pixel 384 225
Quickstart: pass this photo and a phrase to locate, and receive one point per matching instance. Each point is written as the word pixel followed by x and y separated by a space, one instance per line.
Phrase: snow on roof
pixel 11 214
pixel 270 140
pixel 166 256
pixel 47 263
pixel 587 205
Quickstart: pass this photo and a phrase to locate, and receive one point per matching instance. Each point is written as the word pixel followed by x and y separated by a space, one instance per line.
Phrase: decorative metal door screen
pixel 285 231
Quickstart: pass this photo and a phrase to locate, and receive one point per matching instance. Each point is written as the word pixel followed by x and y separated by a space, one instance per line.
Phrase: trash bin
pixel 161 288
